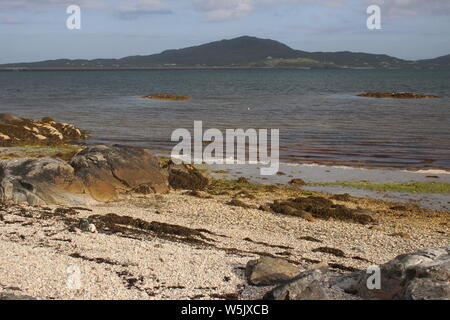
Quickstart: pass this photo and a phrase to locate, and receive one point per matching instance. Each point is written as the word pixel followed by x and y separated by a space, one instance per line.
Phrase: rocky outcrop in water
pixel 97 173
pixel 396 95
pixel 15 131
pixel 422 275
pixel 171 97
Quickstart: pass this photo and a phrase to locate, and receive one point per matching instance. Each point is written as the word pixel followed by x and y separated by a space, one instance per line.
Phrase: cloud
pixel 43 5
pixel 9 20
pixel 404 8
pixel 129 9
pixel 223 10
pixel 138 8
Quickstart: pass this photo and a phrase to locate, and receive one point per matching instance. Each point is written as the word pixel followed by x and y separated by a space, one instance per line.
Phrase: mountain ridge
pixel 241 52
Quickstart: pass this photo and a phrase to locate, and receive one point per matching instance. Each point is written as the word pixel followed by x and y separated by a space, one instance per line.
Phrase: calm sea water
pixel 319 117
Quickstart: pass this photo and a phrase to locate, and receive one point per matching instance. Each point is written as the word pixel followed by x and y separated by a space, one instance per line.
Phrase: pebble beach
pixel 41 256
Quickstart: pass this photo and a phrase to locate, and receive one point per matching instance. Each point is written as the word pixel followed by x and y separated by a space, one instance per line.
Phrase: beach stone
pixel 96 174
pixel 40 181
pixel 10 296
pixel 242 204
pixel 186 177
pixel 268 271
pixel 108 171
pixel 305 286
pixel 316 283
pixel 265 207
pixel 297 182
pixel 15 131
pixel 422 275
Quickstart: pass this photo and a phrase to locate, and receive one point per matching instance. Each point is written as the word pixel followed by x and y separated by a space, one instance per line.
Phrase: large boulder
pixel 15 131
pixel 40 181
pixel 108 171
pixel 313 284
pixel 98 173
pixel 422 275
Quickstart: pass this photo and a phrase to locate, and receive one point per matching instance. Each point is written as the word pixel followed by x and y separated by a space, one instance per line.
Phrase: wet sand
pixel 314 173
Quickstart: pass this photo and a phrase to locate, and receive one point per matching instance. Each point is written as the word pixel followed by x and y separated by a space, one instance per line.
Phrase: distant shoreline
pixel 210 68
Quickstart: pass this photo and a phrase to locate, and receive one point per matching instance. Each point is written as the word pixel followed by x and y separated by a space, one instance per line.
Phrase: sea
pixel 320 118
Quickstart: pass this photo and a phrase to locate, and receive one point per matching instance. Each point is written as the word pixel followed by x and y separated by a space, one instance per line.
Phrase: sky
pixel 34 30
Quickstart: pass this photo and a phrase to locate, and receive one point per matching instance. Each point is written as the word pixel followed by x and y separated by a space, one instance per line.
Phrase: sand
pixel 41 257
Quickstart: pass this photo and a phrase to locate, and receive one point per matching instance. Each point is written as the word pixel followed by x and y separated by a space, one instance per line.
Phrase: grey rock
pixel 39 181
pixel 268 271
pixel 308 285
pixel 107 171
pixel 98 173
pixel 422 275
pixel 186 177
pixel 10 296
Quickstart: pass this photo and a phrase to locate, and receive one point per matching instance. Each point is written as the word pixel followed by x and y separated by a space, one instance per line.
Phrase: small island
pixel 397 95
pixel 171 97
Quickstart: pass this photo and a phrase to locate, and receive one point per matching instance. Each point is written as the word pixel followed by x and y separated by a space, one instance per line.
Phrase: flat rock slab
pixel 270 271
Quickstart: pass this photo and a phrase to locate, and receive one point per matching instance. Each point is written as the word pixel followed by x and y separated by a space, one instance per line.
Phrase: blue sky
pixel 32 30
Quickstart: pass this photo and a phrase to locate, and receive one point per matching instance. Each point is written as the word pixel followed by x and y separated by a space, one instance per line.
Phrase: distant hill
pixel 443 61
pixel 239 52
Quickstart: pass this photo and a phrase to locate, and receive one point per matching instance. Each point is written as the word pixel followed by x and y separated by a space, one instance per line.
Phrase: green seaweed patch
pixel 221 171
pixel 242 188
pixel 63 152
pixel 164 160
pixel 409 187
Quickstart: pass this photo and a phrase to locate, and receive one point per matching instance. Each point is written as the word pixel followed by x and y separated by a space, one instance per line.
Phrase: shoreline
pixel 154 230
pixel 354 164
pixel 314 175
pixel 328 179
